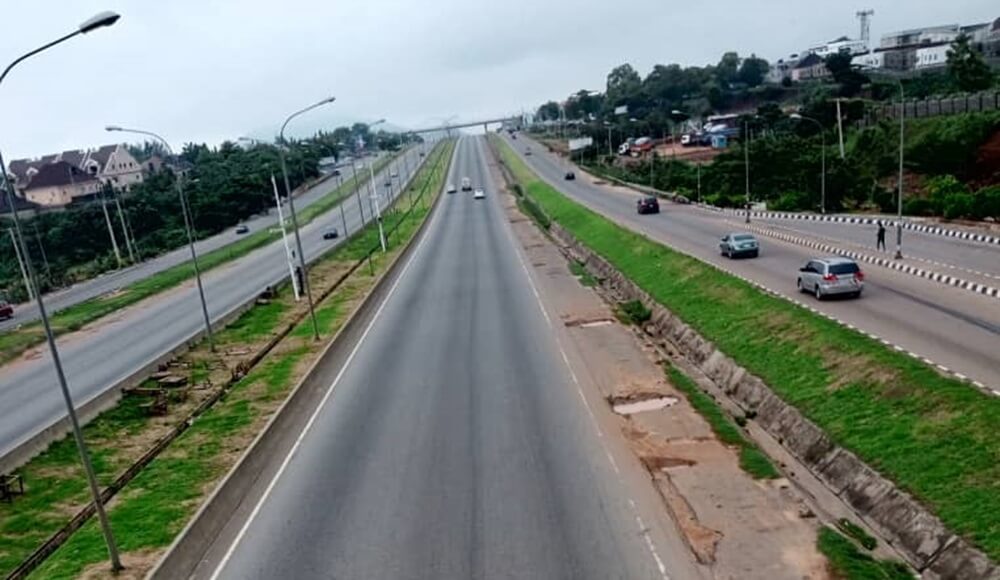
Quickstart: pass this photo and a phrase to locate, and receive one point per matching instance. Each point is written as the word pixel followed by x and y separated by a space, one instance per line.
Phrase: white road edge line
pixel 586 405
pixel 312 419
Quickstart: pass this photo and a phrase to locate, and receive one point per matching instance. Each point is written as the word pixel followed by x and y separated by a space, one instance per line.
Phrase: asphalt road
pixel 111 281
pixel 125 341
pixel 949 326
pixel 453 445
pixel 976 261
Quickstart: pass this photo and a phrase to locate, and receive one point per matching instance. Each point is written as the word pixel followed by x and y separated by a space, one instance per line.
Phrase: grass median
pixel 153 507
pixel 933 435
pixel 15 342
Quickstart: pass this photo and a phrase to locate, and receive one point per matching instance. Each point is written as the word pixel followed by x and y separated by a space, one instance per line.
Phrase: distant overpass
pixel 484 123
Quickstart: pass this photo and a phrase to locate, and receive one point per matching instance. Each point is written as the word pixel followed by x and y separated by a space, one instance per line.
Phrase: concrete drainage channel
pixel 917 534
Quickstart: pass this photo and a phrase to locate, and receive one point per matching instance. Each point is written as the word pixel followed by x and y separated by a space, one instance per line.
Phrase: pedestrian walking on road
pixel 880 239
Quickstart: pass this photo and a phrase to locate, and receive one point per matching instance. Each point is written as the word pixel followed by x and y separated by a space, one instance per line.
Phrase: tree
pixel 843 72
pixel 582 104
pixel 548 112
pixel 967 67
pixel 623 87
pixel 753 70
pixel 727 71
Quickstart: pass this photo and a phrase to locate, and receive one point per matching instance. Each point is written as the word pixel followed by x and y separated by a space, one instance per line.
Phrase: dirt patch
pixel 701 539
pixel 852 369
pixel 137 564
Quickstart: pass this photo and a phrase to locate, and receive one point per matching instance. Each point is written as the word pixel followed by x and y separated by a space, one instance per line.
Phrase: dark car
pixel 570 176
pixel 648 205
pixel 6 310
pixel 332 234
pixel 242 229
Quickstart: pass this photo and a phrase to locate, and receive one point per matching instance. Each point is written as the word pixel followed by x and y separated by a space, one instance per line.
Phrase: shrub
pixel 987 203
pixel 958 205
pixel 635 311
pixel 791 201
pixel 918 206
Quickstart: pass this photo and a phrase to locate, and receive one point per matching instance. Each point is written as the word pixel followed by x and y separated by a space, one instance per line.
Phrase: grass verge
pixel 752 459
pixel 933 435
pixel 153 507
pixel 849 563
pixel 14 342
pixel 584 275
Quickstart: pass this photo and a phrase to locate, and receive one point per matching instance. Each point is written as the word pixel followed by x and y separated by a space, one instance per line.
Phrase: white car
pixel 479 194
pixel 451 188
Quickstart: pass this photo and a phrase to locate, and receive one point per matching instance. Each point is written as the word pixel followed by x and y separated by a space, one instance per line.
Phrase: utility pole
pixel 357 191
pixel 107 220
pixel 746 163
pixel 41 248
pixel 284 240
pixel 125 229
pixel 699 182
pixel 20 262
pixel 899 201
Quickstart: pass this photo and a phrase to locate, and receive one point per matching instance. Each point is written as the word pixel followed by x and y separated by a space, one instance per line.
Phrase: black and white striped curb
pixel 767 290
pixel 858 220
pixel 884 262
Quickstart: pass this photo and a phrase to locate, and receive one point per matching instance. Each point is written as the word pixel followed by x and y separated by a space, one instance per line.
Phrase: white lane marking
pixel 586 405
pixel 312 419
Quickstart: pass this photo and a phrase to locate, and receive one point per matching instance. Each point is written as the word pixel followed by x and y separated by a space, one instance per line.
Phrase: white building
pixel 931 56
pixel 869 60
pixel 842 44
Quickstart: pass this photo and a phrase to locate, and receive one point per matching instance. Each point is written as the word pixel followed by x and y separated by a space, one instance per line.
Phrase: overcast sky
pixel 208 70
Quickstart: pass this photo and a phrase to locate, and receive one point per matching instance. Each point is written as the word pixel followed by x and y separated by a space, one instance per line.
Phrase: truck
pixel 466 184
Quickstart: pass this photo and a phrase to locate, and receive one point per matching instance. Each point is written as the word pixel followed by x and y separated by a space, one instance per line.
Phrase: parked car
pixel 6 310
pixel 242 229
pixel 831 276
pixel 479 194
pixel 451 188
pixel 739 244
pixel 331 234
pixel 648 205
pixel 570 176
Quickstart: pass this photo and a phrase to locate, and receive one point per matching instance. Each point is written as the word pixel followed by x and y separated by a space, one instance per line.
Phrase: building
pixel 869 60
pixel 918 36
pixel 842 44
pixel 933 56
pixel 781 69
pixel 810 68
pixel 60 183
pixel 112 164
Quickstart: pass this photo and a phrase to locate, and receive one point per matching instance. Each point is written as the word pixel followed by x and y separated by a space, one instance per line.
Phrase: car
pixel 648 205
pixel 570 176
pixel 388 183
pixel 394 174
pixel 479 194
pixel 466 184
pixel 6 310
pixel 421 153
pixel 242 229
pixel 830 276
pixel 451 188
pixel 331 234
pixel 527 151
pixel 739 244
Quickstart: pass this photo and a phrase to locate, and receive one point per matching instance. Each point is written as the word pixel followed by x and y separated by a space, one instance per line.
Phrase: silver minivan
pixel 831 276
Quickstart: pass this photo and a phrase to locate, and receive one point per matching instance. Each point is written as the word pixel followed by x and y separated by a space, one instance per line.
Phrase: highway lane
pixel 453 445
pixel 111 281
pixel 127 340
pixel 952 327
pixel 955 254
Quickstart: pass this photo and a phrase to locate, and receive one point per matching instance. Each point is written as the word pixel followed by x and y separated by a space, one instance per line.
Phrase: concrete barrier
pixel 239 490
pixel 910 527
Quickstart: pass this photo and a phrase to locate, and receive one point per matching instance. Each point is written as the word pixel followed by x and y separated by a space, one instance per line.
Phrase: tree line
pixel 224 185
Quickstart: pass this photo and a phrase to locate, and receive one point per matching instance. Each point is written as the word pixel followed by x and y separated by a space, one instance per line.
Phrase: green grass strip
pixel 72 318
pixel 850 563
pixel 752 460
pixel 935 436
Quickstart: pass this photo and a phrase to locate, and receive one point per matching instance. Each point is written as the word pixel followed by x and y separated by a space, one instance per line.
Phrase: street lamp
pixel 746 161
pixel 188 227
pixel 899 195
pixel 98 21
pixel 373 196
pixel 822 134
pixel 291 209
pixel 610 152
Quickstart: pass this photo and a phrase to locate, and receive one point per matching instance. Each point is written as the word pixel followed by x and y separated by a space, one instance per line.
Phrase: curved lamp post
pixel 291 209
pixel 822 134
pixel 100 20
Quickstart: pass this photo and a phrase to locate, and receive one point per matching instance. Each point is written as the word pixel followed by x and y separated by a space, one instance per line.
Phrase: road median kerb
pixel 237 493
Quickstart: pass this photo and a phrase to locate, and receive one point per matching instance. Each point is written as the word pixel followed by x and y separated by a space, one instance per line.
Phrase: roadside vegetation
pixel 933 435
pixel 752 459
pixel 148 513
pixel 15 341
pixel 849 563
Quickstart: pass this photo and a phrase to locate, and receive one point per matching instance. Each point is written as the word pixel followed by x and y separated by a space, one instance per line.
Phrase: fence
pixel 936 106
